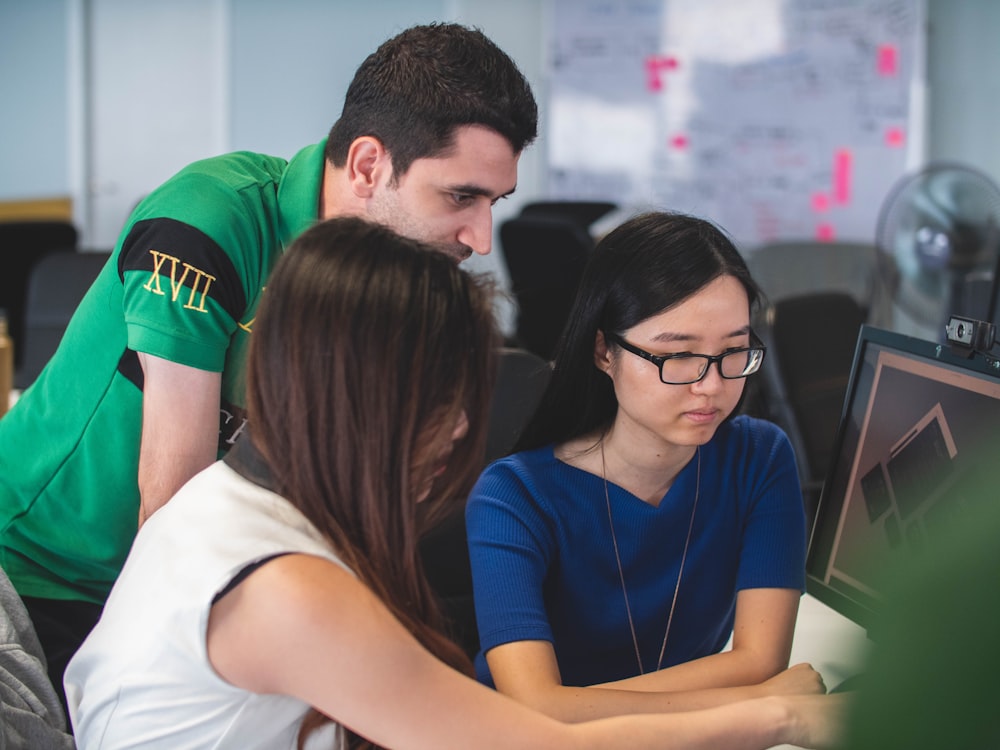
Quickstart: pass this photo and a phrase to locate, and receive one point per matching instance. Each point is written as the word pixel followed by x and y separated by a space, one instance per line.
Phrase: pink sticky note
pixel 895 137
pixel 842 168
pixel 655 66
pixel 820 202
pixel 679 142
pixel 825 232
pixel 887 60
pixel 654 81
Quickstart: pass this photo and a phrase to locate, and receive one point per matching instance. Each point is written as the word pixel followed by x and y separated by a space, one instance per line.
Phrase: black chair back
pixel 583 212
pixel 22 245
pixel 521 380
pixel 811 340
pixel 545 257
pixel 56 286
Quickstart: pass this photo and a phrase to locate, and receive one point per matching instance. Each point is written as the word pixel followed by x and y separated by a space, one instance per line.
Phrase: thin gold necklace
pixel 621 573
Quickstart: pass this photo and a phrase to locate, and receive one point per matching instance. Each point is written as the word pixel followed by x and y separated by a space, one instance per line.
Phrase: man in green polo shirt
pixel 147 387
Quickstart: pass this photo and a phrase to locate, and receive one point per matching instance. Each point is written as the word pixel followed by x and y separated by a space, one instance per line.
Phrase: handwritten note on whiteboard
pixel 778 119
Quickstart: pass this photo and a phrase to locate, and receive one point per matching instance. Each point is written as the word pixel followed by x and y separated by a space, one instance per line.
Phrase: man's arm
pixel 180 428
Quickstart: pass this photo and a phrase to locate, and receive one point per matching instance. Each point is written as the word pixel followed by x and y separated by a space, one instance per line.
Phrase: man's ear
pixel 602 355
pixel 368 165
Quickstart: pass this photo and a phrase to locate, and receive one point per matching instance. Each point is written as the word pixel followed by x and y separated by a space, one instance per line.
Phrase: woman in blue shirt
pixel 639 524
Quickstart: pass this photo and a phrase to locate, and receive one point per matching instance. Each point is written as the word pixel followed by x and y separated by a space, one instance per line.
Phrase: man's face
pixel 447 201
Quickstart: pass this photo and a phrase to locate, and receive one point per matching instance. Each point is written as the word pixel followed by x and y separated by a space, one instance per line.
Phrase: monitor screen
pixel 918 418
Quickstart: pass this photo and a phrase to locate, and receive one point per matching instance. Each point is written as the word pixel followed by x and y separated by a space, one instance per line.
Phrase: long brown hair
pixel 366 349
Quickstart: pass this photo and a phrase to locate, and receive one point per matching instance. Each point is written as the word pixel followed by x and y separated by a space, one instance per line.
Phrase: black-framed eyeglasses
pixel 683 369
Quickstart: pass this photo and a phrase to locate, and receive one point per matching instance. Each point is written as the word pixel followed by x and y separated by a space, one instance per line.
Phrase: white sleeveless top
pixel 142 678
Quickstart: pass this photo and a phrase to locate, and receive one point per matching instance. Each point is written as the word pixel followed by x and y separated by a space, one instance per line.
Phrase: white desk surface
pixel 835 646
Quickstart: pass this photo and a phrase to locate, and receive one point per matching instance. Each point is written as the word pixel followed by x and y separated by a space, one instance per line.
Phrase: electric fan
pixel 938 239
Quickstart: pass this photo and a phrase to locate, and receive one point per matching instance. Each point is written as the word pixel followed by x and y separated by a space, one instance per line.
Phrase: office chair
pixel 521 379
pixel 22 245
pixel 790 268
pixel 545 256
pixel 811 340
pixel 57 283
pixel 818 294
pixel 583 212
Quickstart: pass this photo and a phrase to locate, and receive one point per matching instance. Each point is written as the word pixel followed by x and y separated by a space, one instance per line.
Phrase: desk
pixel 835 646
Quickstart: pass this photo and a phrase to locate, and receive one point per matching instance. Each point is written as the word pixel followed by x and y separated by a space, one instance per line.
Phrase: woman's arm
pixel 762 643
pixel 305 627
pixel 528 672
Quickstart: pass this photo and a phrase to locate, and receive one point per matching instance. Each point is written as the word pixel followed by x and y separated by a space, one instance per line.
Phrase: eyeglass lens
pixel 690 368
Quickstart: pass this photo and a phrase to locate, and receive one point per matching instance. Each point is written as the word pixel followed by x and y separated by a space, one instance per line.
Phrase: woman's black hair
pixel 649 264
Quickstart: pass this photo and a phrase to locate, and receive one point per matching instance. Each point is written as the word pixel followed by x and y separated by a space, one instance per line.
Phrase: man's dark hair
pixel 416 88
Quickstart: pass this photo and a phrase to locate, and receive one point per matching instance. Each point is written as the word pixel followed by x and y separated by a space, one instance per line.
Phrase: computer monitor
pixel 912 450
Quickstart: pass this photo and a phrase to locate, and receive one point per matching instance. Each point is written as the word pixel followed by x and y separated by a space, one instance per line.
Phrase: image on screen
pixel 912 449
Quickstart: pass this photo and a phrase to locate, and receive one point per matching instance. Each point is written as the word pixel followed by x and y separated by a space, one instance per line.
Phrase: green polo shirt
pixel 183 284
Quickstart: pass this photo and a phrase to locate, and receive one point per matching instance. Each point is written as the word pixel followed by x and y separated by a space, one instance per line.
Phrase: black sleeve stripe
pixel 130 368
pixel 160 245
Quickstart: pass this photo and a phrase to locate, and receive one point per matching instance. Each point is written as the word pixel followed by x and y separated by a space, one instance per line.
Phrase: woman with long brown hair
pixel 278 600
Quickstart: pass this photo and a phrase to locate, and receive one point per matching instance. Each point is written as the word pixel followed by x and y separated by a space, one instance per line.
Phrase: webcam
pixel 970 334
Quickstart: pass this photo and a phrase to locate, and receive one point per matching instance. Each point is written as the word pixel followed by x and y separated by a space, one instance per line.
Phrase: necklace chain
pixel 621 572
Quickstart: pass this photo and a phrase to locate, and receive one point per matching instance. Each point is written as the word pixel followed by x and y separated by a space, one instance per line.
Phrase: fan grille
pixel 938 239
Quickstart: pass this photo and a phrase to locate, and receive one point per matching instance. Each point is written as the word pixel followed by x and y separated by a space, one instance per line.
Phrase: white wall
pixel 963 74
pixel 34 99
pixel 289 63
pixel 140 120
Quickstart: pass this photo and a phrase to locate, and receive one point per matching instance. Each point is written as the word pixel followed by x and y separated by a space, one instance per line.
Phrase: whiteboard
pixel 777 119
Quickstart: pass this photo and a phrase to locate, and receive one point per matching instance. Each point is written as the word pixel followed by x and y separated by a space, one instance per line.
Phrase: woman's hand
pixel 800 679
